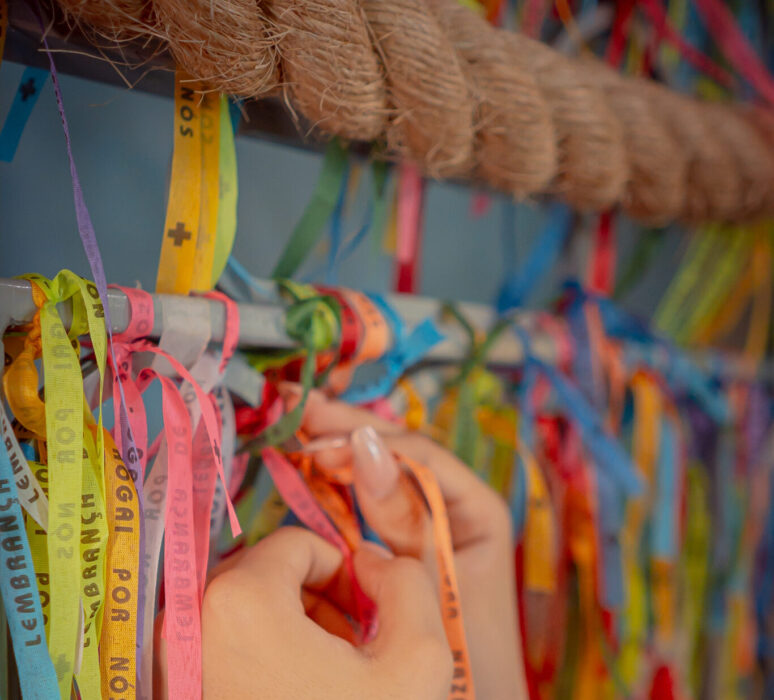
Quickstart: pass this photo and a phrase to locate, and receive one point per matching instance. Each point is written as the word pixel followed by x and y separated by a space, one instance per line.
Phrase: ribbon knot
pixel 313 323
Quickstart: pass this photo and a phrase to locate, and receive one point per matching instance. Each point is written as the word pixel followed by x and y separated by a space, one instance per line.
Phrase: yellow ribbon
pixel 178 248
pixel 71 487
pixel 119 634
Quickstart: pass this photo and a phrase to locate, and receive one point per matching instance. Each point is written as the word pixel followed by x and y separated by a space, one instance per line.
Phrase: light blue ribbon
pixel 24 101
pixel 374 380
pixel 20 594
pixel 519 285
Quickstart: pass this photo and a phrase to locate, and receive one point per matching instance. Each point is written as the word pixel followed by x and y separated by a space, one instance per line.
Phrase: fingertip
pixel 293 556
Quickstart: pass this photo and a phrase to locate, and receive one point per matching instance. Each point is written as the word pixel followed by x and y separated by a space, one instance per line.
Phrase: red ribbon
pixel 729 37
pixel 655 10
pixel 601 275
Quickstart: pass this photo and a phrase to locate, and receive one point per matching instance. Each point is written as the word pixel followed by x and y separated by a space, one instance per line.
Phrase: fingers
pixel 328 616
pixel 409 614
pixel 476 513
pixel 289 559
pixel 389 500
pixel 324 417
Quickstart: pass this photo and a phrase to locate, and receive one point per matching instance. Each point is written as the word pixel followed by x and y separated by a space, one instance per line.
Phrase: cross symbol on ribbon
pixel 28 89
pixel 179 234
pixel 62 666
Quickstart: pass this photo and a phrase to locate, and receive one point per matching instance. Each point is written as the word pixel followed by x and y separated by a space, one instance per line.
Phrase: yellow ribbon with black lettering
pixel 178 248
pixel 117 647
pixel 92 556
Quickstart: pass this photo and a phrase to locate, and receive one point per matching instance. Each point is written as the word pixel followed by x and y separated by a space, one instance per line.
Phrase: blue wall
pixel 122 141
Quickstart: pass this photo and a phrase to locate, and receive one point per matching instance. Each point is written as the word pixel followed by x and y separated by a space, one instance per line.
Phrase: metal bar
pixel 262 325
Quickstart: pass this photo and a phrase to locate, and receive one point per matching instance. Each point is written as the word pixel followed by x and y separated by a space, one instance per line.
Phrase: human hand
pixel 274 627
pixel 479 521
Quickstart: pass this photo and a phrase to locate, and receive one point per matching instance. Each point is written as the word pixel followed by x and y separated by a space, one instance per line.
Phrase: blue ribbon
pixel 235 113
pixel 331 270
pixel 680 371
pixel 264 291
pixel 20 594
pixel 376 379
pixel 527 422
pixel 583 368
pixel 611 521
pixel 518 497
pixel 607 452
pixel 519 285
pixel 352 245
pixel 27 94
pixel 344 252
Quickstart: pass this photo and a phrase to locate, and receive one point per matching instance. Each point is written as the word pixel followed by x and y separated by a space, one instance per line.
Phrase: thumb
pixel 409 613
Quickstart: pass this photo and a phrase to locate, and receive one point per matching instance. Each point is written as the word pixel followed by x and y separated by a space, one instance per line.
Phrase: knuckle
pixel 280 543
pixel 220 597
pixel 234 597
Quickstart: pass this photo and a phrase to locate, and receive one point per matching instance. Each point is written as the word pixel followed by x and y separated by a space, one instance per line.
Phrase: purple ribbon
pixel 91 248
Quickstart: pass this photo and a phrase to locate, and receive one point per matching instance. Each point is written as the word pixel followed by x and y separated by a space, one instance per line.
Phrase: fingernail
pixel 377 549
pixel 326 443
pixel 374 465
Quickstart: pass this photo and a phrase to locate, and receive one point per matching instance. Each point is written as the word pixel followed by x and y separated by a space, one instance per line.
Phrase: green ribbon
pixel 650 242
pixel 568 669
pixel 314 322
pixel 317 212
pixel 228 192
pixel 466 432
pixel 380 176
pixel 478 351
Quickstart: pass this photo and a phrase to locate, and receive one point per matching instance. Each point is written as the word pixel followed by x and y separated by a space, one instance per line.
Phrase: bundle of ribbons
pixel 640 490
